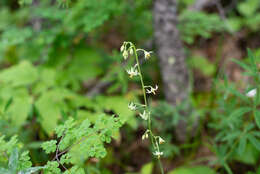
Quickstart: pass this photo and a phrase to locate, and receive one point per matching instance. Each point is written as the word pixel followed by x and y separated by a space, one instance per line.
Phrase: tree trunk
pixel 171 57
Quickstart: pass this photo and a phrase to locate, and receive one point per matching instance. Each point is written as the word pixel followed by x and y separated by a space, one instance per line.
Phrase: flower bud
pixel 161 141
pixel 125 54
pixel 122 48
pixel 131 51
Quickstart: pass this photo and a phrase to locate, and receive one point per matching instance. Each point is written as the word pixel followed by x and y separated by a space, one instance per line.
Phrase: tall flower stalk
pixel 128 49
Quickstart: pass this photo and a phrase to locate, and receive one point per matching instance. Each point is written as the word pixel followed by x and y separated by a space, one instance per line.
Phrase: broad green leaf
pixel 18 104
pixel 19 75
pixel 20 109
pixel 248 7
pixel 193 170
pixel 50 104
pixel 250 155
pixel 147 169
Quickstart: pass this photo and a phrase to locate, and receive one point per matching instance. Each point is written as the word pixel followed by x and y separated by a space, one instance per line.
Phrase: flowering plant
pixel 128 49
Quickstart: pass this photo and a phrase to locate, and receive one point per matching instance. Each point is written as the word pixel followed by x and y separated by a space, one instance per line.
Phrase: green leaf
pixel 49 146
pixel 248 7
pixel 242 145
pixel 250 155
pixel 8 104
pixel 252 61
pixel 13 160
pixel 22 74
pixel 147 168
pixel 193 170
pixel 20 108
pixel 255 142
pixel 239 112
pixel 49 106
pixel 257 118
pixel 242 64
pixel 198 62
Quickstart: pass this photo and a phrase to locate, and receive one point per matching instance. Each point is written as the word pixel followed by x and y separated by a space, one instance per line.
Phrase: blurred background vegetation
pixel 61 59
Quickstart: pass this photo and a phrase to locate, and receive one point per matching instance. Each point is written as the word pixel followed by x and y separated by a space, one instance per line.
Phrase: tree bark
pixel 171 57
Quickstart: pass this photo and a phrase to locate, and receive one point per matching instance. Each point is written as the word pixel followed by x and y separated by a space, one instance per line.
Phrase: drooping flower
pixel 251 93
pixel 152 90
pixel 158 154
pixel 125 54
pixel 131 51
pixel 147 54
pixel 145 135
pixel 161 141
pixel 132 106
pixel 132 72
pixel 122 48
pixel 144 115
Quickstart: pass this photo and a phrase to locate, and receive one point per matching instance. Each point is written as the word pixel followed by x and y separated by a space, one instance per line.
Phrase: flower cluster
pixel 128 49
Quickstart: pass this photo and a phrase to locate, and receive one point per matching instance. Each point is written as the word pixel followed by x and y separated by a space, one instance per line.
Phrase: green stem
pixel 161 166
pixel 146 106
pixel 140 75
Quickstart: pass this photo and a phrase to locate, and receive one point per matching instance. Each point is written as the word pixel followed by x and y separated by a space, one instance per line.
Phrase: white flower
pixel 161 141
pixel 132 72
pixel 147 54
pixel 131 51
pixel 152 90
pixel 125 54
pixel 132 106
pixel 158 154
pixel 122 48
pixel 145 135
pixel 251 93
pixel 144 115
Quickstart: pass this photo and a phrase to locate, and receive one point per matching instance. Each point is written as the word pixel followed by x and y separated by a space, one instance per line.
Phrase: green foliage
pixel 197 63
pixel 12 160
pixel 194 24
pixel 192 170
pixel 236 120
pixel 250 16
